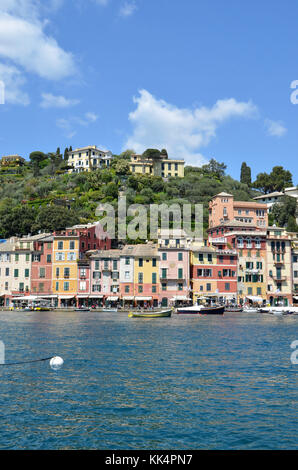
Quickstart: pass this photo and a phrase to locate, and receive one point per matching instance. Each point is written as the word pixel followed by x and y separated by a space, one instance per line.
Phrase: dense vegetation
pixel 43 196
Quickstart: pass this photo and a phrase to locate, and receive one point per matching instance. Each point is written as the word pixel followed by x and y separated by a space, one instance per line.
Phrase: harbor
pixel 184 382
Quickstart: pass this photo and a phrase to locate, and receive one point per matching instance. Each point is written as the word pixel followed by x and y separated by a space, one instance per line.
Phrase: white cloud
pixel 128 8
pixel 275 128
pixel 52 101
pixel 183 132
pixel 70 125
pixel 13 81
pixel 26 44
pixel 26 47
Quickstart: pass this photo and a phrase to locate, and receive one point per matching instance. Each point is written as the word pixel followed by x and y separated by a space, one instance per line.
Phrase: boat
pixel 202 310
pixel 162 314
pixel 108 310
pixel 230 309
pixel 251 310
pixel 82 309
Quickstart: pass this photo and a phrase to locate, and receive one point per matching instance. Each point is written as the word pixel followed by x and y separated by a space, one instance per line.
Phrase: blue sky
pixel 202 79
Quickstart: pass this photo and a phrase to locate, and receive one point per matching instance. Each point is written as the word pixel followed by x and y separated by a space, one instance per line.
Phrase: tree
pixel 285 210
pixel 52 218
pixel 152 154
pixel 277 180
pixel 245 176
pixel 122 168
pixel 17 221
pixel 127 154
pixel 292 224
pixel 36 159
pixel 214 169
pixel 65 157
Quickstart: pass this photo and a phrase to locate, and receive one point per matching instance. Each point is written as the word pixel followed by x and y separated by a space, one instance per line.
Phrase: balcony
pixel 279 278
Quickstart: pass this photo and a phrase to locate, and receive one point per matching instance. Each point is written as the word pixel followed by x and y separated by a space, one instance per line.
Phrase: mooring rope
pixel 27 362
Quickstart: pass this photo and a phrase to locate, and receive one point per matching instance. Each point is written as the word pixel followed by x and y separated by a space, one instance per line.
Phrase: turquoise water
pixel 178 383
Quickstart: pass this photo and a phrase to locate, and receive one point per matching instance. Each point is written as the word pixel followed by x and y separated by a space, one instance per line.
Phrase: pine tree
pixel 65 154
pixel 245 176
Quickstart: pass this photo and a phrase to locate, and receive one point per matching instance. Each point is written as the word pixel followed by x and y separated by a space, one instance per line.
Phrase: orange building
pixel 223 208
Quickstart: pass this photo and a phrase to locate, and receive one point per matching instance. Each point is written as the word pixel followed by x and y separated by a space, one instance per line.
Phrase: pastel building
pixel 41 269
pixel 127 275
pixel 174 271
pixel 223 208
pixel 69 246
pixel 146 275
pixel 88 159
pixel 248 243
pixel 105 277
pixel 7 252
pixel 162 166
pixel 295 267
pixel 279 267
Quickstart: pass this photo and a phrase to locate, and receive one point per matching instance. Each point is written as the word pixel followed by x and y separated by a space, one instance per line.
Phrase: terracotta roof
pixel 258 205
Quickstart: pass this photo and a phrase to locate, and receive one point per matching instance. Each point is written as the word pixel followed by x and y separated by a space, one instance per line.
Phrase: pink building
pixel 174 271
pixel 104 277
pixel 41 268
pixel 223 208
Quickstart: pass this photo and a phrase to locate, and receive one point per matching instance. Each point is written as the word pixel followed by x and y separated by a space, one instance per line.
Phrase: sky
pixel 203 79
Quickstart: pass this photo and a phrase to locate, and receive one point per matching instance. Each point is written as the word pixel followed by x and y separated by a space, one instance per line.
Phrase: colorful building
pixel 174 271
pixel 279 267
pixel 223 208
pixel 146 275
pixel 105 283
pixel 88 158
pixel 162 166
pixel 69 246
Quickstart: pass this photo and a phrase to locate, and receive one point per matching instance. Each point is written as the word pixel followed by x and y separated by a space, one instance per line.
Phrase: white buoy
pixel 56 363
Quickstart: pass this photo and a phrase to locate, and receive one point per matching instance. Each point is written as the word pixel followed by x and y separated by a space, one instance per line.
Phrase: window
pixel 115 265
pixel 127 289
pixel 60 256
pixel 208 287
pixel 180 273
pixel 96 265
pixel 71 256
pixel 17 257
pixel 164 256
pixel 227 286
pixel 209 258
pixel 71 245
pixel 41 287
pixel 66 273
pixel 49 258
pixel 57 272
pixel 27 257
pixel 249 290
pixel 96 275
pixel 140 262
pixel 83 272
pixel 6 271
pixel 60 245
pixel 66 286
pixel 154 262
pixel 83 285
pixel 180 256
pixel 127 261
pixel 154 278
pixel 16 273
pixel 163 286
pixel 96 288
pixel 57 286
pixel 164 273
pixel 21 287
pixel 42 272
pixel 180 286
pixel 154 290
pixel 140 278
pixel 140 289
pixel 201 257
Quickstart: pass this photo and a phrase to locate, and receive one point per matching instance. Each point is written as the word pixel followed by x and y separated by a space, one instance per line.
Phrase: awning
pixel 295 297
pixel 143 298
pixel 127 298
pixel 112 299
pixel 83 296
pixel 253 298
pixel 66 297
pixel 28 297
pixel 180 297
pixel 96 296
pixel 50 296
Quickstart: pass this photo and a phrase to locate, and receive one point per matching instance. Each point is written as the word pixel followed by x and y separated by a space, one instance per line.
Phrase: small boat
pixel 233 309
pixel 82 309
pixel 108 310
pixel 202 310
pixel 162 314
pixel 251 310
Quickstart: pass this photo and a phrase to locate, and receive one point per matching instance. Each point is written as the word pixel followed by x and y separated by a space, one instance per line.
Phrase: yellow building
pixel 88 158
pixel 146 274
pixel 162 166
pixel 65 268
